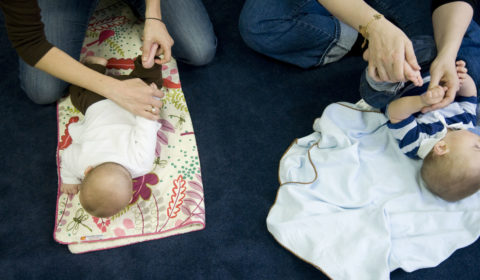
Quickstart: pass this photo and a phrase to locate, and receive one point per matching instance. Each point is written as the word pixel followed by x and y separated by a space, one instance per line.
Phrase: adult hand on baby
pixel 389 49
pixel 443 73
pixel 156 40
pixel 139 98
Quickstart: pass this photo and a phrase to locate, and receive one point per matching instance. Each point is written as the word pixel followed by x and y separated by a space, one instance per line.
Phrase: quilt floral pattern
pixel 166 201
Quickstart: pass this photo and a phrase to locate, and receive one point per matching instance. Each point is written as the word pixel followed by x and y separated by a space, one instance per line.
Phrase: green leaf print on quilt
pixel 114 47
pixel 176 97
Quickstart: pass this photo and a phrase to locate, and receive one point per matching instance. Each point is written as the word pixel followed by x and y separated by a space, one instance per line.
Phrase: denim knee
pixel 44 91
pixel 198 54
pixel 254 34
pixel 246 26
pixel 263 38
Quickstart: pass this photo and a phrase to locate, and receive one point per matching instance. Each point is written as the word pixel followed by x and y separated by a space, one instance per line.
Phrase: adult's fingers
pixel 395 65
pixel 397 69
pixel 157 92
pixel 382 73
pixel 372 72
pixel 434 80
pixel 410 56
pixel 365 55
pixel 148 55
pixel 146 47
pixel 414 76
pixel 447 99
pixel 148 115
pixel 167 55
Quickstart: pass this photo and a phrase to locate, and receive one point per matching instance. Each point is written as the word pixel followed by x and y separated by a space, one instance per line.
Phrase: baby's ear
pixel 87 170
pixel 441 148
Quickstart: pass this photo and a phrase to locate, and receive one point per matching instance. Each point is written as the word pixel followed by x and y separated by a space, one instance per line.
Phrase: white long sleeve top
pixel 109 133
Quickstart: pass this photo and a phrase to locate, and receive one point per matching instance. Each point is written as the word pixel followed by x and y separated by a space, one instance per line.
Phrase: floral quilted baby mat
pixel 168 200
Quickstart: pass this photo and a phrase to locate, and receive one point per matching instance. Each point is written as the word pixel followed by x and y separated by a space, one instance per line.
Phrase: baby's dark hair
pixel 449 176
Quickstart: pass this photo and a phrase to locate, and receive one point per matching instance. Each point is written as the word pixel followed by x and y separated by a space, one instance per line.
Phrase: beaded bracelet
pixel 363 29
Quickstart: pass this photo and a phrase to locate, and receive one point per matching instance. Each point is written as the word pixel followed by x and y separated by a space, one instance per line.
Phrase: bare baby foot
pixel 461 71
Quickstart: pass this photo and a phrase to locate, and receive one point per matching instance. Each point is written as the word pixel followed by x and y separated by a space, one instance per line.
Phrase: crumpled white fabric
pixel 353 205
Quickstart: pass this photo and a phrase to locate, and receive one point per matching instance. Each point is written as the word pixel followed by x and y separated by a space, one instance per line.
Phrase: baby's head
pixel 452 169
pixel 106 189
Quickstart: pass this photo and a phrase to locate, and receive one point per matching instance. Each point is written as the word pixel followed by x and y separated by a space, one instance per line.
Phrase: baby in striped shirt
pixel 446 139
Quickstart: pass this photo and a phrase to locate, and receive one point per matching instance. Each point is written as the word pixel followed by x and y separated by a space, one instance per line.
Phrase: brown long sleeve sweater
pixel 25 29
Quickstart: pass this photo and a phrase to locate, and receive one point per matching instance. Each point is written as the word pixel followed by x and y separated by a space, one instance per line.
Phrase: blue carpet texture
pixel 246 110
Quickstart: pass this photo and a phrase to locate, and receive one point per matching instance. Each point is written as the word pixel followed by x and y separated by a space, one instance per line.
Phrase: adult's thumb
pixel 434 79
pixel 410 57
pixel 148 55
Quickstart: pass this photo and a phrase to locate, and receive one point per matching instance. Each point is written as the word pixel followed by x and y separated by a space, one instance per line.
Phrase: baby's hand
pixel 433 96
pixel 69 188
pixel 461 71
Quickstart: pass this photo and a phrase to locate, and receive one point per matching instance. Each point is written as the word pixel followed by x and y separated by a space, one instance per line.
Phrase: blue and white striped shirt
pixel 420 132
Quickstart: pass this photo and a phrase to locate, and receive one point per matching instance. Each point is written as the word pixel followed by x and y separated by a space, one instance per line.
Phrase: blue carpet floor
pixel 246 110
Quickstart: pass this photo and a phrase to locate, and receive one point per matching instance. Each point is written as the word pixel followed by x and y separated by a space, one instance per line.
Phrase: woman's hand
pixel 450 22
pixel 138 98
pixel 443 72
pixel 388 51
pixel 155 32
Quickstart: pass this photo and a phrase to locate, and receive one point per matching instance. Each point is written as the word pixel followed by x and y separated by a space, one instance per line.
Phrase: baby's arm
pixel 143 142
pixel 69 188
pixel 404 107
pixel 70 182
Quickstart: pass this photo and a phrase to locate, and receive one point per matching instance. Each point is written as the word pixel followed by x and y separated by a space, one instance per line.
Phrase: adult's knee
pixel 199 53
pixel 262 36
pixel 46 92
pixel 204 54
pixel 40 87
pixel 249 29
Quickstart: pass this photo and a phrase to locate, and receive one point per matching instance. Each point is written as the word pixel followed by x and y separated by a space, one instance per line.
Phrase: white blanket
pixel 354 206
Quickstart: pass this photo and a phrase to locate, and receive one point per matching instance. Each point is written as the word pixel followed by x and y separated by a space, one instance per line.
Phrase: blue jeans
pixel 66 22
pixel 304 33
